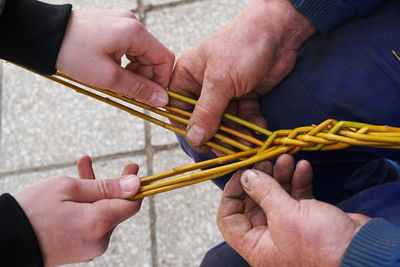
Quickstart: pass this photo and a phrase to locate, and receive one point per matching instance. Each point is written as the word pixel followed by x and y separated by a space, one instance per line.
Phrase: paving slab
pixel 130 243
pixel 185 222
pixel 181 27
pixel 44 123
pixel 160 135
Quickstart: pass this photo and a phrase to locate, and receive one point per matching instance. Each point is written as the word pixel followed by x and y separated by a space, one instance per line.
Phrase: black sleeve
pixel 18 243
pixel 31 33
pixel 2 4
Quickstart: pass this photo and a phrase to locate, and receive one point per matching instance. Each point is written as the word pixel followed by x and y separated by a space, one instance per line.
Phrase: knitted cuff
pixel 377 243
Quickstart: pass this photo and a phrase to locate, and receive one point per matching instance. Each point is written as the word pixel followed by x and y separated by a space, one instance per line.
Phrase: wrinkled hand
pixel 269 226
pixel 94 43
pixel 73 218
pixel 257 49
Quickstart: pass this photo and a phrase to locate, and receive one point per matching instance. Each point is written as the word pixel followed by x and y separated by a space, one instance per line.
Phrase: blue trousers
pixel 348 74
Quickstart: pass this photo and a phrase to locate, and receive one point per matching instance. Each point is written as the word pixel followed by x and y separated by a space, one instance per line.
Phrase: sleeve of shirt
pixel 326 14
pixel 377 243
pixel 18 243
pixel 31 33
pixel 2 4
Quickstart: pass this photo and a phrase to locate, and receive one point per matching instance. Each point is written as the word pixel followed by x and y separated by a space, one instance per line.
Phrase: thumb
pixel 267 193
pixel 207 113
pixel 94 190
pixel 139 87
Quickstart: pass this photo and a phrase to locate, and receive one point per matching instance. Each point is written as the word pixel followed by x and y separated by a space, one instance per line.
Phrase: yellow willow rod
pixel 176 186
pixel 350 141
pixel 212 173
pixel 198 165
pixel 219 136
pixel 221 127
pixel 365 137
pixel 231 117
pixel 229 168
pixel 134 112
pixel 155 110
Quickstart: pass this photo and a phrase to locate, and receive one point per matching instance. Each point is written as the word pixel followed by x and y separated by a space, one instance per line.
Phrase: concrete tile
pixel 186 227
pixel 161 136
pixel 181 27
pixel 98 4
pixel 130 244
pixel 45 123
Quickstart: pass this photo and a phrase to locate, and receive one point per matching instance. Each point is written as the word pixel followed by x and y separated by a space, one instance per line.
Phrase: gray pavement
pixel 45 128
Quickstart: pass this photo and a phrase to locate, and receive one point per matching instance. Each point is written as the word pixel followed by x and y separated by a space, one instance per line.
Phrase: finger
pixel 208 111
pixel 85 168
pixel 302 181
pixel 230 218
pixel 145 45
pixel 283 171
pixel 268 194
pixel 237 228
pixel 255 213
pixel 146 71
pixel 93 190
pixel 265 166
pixel 249 109
pixel 138 87
pixel 131 168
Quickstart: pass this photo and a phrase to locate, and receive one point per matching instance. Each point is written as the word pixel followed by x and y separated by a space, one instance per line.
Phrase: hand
pixel 73 218
pixel 257 49
pixel 94 43
pixel 269 227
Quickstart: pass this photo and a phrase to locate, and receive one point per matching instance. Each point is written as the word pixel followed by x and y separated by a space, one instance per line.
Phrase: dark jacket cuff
pixel 32 32
pixel 18 243
pixel 377 243
pixel 325 14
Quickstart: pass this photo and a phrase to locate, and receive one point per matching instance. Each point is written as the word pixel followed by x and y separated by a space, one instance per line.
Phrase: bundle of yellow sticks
pixel 327 135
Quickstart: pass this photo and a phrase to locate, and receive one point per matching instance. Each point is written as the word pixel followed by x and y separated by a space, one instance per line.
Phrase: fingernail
pixel 196 135
pixel 159 99
pixel 129 183
pixel 249 179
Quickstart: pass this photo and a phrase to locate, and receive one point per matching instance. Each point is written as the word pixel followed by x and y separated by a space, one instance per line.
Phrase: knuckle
pixel 133 27
pixel 104 188
pixel 67 183
pixel 138 89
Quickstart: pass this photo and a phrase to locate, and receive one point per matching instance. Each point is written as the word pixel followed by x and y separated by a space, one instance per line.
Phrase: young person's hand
pixel 92 48
pixel 73 218
pixel 268 217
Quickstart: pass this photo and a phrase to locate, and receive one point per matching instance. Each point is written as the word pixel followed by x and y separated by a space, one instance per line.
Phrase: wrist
pixel 287 27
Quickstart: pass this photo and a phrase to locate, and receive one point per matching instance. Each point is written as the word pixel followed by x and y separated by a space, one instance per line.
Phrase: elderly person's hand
pixel 92 48
pixel 269 226
pixel 257 49
pixel 73 218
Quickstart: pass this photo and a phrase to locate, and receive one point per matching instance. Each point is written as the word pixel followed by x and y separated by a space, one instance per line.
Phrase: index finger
pixel 231 220
pixel 144 44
